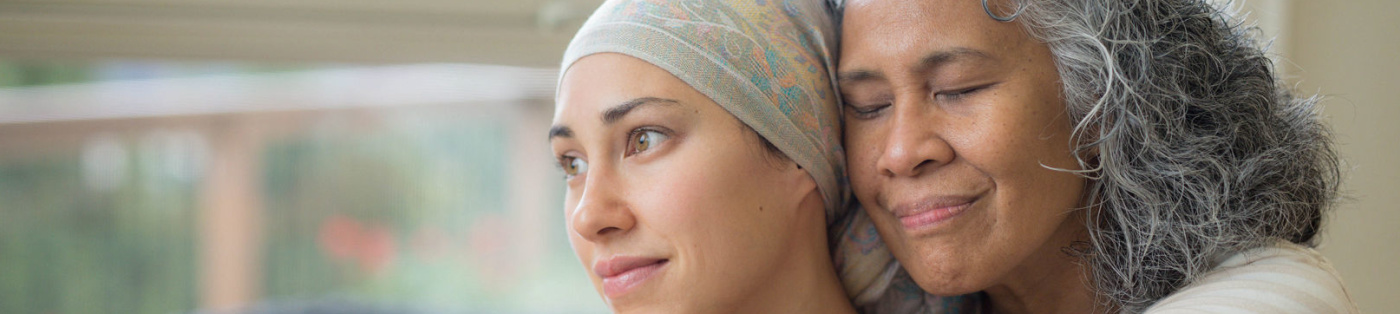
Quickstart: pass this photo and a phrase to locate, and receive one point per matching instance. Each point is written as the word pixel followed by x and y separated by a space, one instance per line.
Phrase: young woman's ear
pixel 795 176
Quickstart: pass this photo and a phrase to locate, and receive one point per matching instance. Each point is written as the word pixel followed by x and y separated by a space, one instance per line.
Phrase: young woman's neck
pixel 1050 280
pixel 808 283
pixel 815 287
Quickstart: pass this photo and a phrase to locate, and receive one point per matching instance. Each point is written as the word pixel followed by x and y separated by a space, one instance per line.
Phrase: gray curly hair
pixel 1194 148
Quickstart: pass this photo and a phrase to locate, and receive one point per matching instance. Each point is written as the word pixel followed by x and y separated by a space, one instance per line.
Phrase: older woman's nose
pixel 913 143
pixel 601 213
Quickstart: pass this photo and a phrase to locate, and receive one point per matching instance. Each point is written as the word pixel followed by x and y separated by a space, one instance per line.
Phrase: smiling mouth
pixel 931 213
pixel 622 275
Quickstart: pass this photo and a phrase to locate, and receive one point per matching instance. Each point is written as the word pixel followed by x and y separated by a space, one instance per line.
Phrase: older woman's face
pixel 671 205
pixel 952 121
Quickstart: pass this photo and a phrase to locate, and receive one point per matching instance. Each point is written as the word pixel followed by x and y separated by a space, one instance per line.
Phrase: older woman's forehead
pixel 891 34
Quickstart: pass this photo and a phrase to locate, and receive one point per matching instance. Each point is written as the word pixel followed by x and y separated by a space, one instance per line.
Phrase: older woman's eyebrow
pixel 612 115
pixel 856 76
pixel 938 58
pixel 930 61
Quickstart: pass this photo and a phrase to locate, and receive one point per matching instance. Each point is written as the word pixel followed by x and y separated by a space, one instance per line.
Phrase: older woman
pixel 1078 156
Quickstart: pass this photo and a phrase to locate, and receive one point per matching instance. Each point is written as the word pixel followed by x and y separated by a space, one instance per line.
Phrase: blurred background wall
pixel 1349 51
pixel 162 156
pixel 1346 52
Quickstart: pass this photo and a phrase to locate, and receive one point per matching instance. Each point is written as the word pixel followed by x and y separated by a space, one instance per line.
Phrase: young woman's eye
pixel 572 166
pixel 642 140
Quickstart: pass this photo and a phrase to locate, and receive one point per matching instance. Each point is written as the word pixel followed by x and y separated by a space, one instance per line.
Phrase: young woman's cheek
pixel 668 190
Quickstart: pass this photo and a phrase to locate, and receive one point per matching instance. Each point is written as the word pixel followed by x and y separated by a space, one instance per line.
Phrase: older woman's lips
pixel 622 274
pixel 930 212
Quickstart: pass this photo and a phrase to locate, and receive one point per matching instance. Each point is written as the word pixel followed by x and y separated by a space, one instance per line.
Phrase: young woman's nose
pixel 601 212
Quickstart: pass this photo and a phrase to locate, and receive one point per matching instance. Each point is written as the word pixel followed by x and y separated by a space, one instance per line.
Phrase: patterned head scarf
pixel 767 62
pixel 763 61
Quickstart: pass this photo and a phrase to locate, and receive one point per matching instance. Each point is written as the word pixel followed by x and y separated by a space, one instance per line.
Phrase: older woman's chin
pixel 946 284
pixel 939 270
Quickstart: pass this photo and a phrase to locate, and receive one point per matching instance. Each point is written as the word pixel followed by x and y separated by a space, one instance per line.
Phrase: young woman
pixel 700 145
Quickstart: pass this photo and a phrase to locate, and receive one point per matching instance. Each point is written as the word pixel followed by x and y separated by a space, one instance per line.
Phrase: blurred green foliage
pixel 67 250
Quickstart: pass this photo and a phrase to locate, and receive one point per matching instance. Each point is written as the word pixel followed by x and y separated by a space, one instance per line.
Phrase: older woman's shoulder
pixel 1280 278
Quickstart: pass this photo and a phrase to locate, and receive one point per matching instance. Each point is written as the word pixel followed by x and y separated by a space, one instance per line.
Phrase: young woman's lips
pixel 623 274
pixel 930 212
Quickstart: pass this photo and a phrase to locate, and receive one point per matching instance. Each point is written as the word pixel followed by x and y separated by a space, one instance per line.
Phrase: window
pixel 157 187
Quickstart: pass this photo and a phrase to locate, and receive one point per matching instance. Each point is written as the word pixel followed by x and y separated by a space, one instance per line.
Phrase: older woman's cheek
pixel 863 148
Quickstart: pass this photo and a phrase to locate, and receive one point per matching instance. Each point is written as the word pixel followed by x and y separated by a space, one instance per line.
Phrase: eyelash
pixel 565 162
pixel 868 113
pixel 956 95
pixel 633 136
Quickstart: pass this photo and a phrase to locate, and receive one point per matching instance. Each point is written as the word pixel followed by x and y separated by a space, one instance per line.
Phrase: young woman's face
pixel 952 120
pixel 672 205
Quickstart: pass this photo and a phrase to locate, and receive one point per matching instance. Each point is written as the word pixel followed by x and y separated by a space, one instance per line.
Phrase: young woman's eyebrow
pixel 612 115
pixel 560 131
